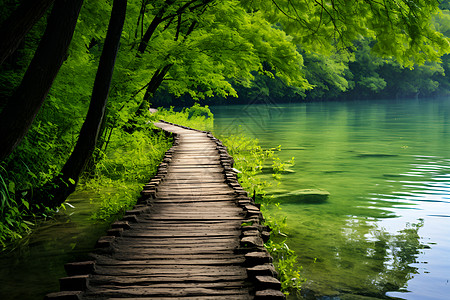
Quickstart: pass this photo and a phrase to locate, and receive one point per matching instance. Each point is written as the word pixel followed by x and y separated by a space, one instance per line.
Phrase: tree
pixel 402 29
pixel 216 44
pixel 20 111
pixel 14 28
pixel 329 74
pixel 65 184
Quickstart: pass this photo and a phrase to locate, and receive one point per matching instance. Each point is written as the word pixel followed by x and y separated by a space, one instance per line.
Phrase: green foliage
pixel 327 73
pixel 132 159
pixel 250 159
pixel 286 262
pixel 11 222
pixel 403 29
pixel 129 162
pixel 17 218
pixel 199 111
pixel 196 117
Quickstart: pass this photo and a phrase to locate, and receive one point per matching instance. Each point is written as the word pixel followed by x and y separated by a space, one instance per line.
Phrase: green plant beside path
pixel 129 162
pixel 250 159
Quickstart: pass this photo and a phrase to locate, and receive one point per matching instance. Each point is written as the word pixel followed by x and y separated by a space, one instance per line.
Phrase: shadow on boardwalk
pixel 184 239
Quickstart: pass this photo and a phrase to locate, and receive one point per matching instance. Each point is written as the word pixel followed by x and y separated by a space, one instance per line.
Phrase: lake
pixel 384 231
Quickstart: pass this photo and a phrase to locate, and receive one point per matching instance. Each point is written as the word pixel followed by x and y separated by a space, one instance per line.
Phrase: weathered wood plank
pixel 172 271
pixel 142 291
pixel 142 252
pixel 169 256
pixel 174 256
pixel 149 282
pixel 155 292
pixel 226 260
pixel 187 234
pixel 163 225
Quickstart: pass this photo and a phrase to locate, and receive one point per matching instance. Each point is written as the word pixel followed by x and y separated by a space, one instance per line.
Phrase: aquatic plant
pixel 250 159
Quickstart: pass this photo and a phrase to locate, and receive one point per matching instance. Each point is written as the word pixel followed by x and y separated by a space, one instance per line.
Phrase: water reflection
pixel 33 269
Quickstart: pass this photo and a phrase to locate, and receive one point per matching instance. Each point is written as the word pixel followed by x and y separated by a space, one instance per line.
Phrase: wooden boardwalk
pixel 184 239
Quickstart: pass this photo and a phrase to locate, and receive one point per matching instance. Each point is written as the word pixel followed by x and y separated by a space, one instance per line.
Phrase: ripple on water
pixel 381 183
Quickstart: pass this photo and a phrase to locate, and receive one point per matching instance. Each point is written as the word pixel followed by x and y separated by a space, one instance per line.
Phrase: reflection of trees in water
pixel 387 259
pixel 400 252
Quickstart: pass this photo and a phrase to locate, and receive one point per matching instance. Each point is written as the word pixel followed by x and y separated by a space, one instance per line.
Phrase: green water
pixel 384 230
pixel 32 270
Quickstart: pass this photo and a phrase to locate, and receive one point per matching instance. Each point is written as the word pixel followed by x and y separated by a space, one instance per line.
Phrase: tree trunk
pixel 153 25
pixel 156 81
pixel 152 87
pixel 89 132
pixel 14 29
pixel 22 108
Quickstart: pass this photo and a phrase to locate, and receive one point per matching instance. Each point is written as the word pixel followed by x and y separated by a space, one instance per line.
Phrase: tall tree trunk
pixel 14 29
pixel 22 108
pixel 89 132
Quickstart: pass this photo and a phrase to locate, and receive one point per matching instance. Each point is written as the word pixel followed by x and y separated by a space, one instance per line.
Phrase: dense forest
pixel 77 77
pixel 356 73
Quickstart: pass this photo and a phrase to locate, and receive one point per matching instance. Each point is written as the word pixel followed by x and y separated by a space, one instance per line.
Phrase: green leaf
pixel 26 204
pixel 12 187
pixel 32 174
pixel 28 223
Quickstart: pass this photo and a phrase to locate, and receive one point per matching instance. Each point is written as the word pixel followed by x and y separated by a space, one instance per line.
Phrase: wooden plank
pixel 199 205
pixel 193 181
pixel 188 222
pixel 174 271
pixel 188 199
pixel 165 211
pixel 155 292
pixel 173 234
pixel 119 256
pixel 176 218
pixel 179 237
pixel 195 167
pixel 225 196
pixel 199 191
pixel 150 283
pixel 177 173
pixel 201 211
pixel 172 261
pixel 142 252
pixel 175 225
pixel 199 184
pixel 185 256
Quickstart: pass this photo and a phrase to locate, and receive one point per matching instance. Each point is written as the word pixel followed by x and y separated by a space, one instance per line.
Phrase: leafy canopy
pixel 403 29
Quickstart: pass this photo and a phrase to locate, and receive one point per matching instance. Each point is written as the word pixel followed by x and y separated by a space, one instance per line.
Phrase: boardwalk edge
pixel 258 262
